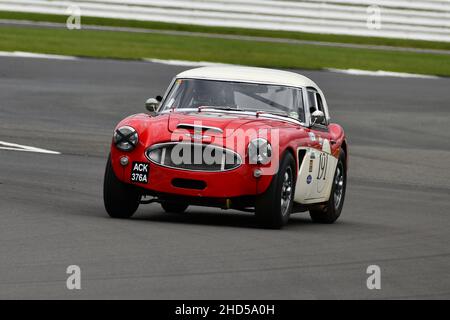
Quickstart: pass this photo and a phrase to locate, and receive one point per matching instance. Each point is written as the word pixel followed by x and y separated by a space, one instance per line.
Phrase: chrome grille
pixel 193 156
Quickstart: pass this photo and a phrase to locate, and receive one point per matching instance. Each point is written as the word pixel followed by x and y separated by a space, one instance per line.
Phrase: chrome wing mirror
pixel 317 117
pixel 152 104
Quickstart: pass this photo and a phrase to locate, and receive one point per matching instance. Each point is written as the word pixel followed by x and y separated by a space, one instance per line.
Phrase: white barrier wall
pixel 406 19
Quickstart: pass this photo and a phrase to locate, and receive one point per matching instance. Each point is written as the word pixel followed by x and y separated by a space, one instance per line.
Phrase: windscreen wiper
pixel 283 114
pixel 228 108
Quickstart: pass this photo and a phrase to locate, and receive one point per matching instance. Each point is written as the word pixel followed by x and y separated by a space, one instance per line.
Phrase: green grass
pixel 123 45
pixel 232 31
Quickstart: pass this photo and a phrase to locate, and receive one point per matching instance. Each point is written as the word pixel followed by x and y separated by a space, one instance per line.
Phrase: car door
pixel 322 161
pixel 317 166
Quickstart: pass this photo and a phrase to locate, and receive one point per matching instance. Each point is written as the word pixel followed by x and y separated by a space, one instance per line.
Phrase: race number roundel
pixel 322 172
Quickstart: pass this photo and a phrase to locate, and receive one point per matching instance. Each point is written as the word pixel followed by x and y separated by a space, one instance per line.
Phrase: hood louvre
pixel 197 127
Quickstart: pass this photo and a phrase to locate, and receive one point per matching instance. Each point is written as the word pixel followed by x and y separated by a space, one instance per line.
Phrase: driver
pixel 200 98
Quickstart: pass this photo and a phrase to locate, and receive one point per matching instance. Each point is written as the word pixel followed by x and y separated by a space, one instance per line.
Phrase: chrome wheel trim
pixel 338 185
pixel 286 191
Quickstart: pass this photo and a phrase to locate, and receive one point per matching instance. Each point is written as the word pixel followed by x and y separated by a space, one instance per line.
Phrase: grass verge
pixel 107 44
pixel 232 31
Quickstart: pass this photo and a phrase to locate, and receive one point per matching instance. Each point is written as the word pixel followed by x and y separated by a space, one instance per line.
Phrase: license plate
pixel 140 172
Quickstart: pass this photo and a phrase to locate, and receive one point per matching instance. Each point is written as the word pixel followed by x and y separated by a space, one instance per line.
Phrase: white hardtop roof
pixel 249 74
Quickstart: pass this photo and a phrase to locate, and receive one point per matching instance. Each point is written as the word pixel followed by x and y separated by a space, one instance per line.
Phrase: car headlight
pixel 125 138
pixel 259 151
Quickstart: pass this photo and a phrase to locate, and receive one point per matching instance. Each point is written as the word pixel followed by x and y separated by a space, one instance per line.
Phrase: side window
pixel 319 102
pixel 312 101
pixel 320 107
pixel 316 103
pixel 300 105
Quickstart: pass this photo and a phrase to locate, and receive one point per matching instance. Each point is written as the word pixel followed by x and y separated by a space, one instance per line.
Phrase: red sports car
pixel 250 139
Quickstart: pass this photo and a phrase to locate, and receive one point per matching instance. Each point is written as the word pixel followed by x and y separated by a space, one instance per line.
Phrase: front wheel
pixel 121 200
pixel 330 211
pixel 274 206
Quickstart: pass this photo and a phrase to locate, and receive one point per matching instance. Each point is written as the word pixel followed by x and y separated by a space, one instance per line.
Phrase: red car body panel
pixel 234 183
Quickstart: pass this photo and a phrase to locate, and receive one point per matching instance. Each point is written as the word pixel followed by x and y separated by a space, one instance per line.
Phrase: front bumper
pixel 162 180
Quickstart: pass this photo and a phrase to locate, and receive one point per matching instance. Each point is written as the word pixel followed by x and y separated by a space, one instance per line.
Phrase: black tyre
pixel 274 207
pixel 121 200
pixel 174 207
pixel 331 210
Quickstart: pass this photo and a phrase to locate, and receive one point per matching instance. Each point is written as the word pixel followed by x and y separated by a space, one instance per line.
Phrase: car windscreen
pixel 195 93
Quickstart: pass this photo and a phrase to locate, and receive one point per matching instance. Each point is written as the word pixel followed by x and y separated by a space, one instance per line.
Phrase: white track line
pixel 18 147
pixel 22 54
pixel 186 63
pixel 381 73
pixel 356 72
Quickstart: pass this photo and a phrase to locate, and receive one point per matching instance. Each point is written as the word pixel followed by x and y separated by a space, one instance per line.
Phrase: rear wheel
pixel 174 207
pixel 331 210
pixel 274 207
pixel 121 200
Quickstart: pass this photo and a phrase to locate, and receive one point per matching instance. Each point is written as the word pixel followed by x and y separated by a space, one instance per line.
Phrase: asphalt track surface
pixel 396 214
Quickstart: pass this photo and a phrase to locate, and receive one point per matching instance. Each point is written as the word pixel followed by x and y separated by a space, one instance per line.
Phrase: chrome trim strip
pixel 166 93
pixel 163 156
pixel 159 145
pixel 222 164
